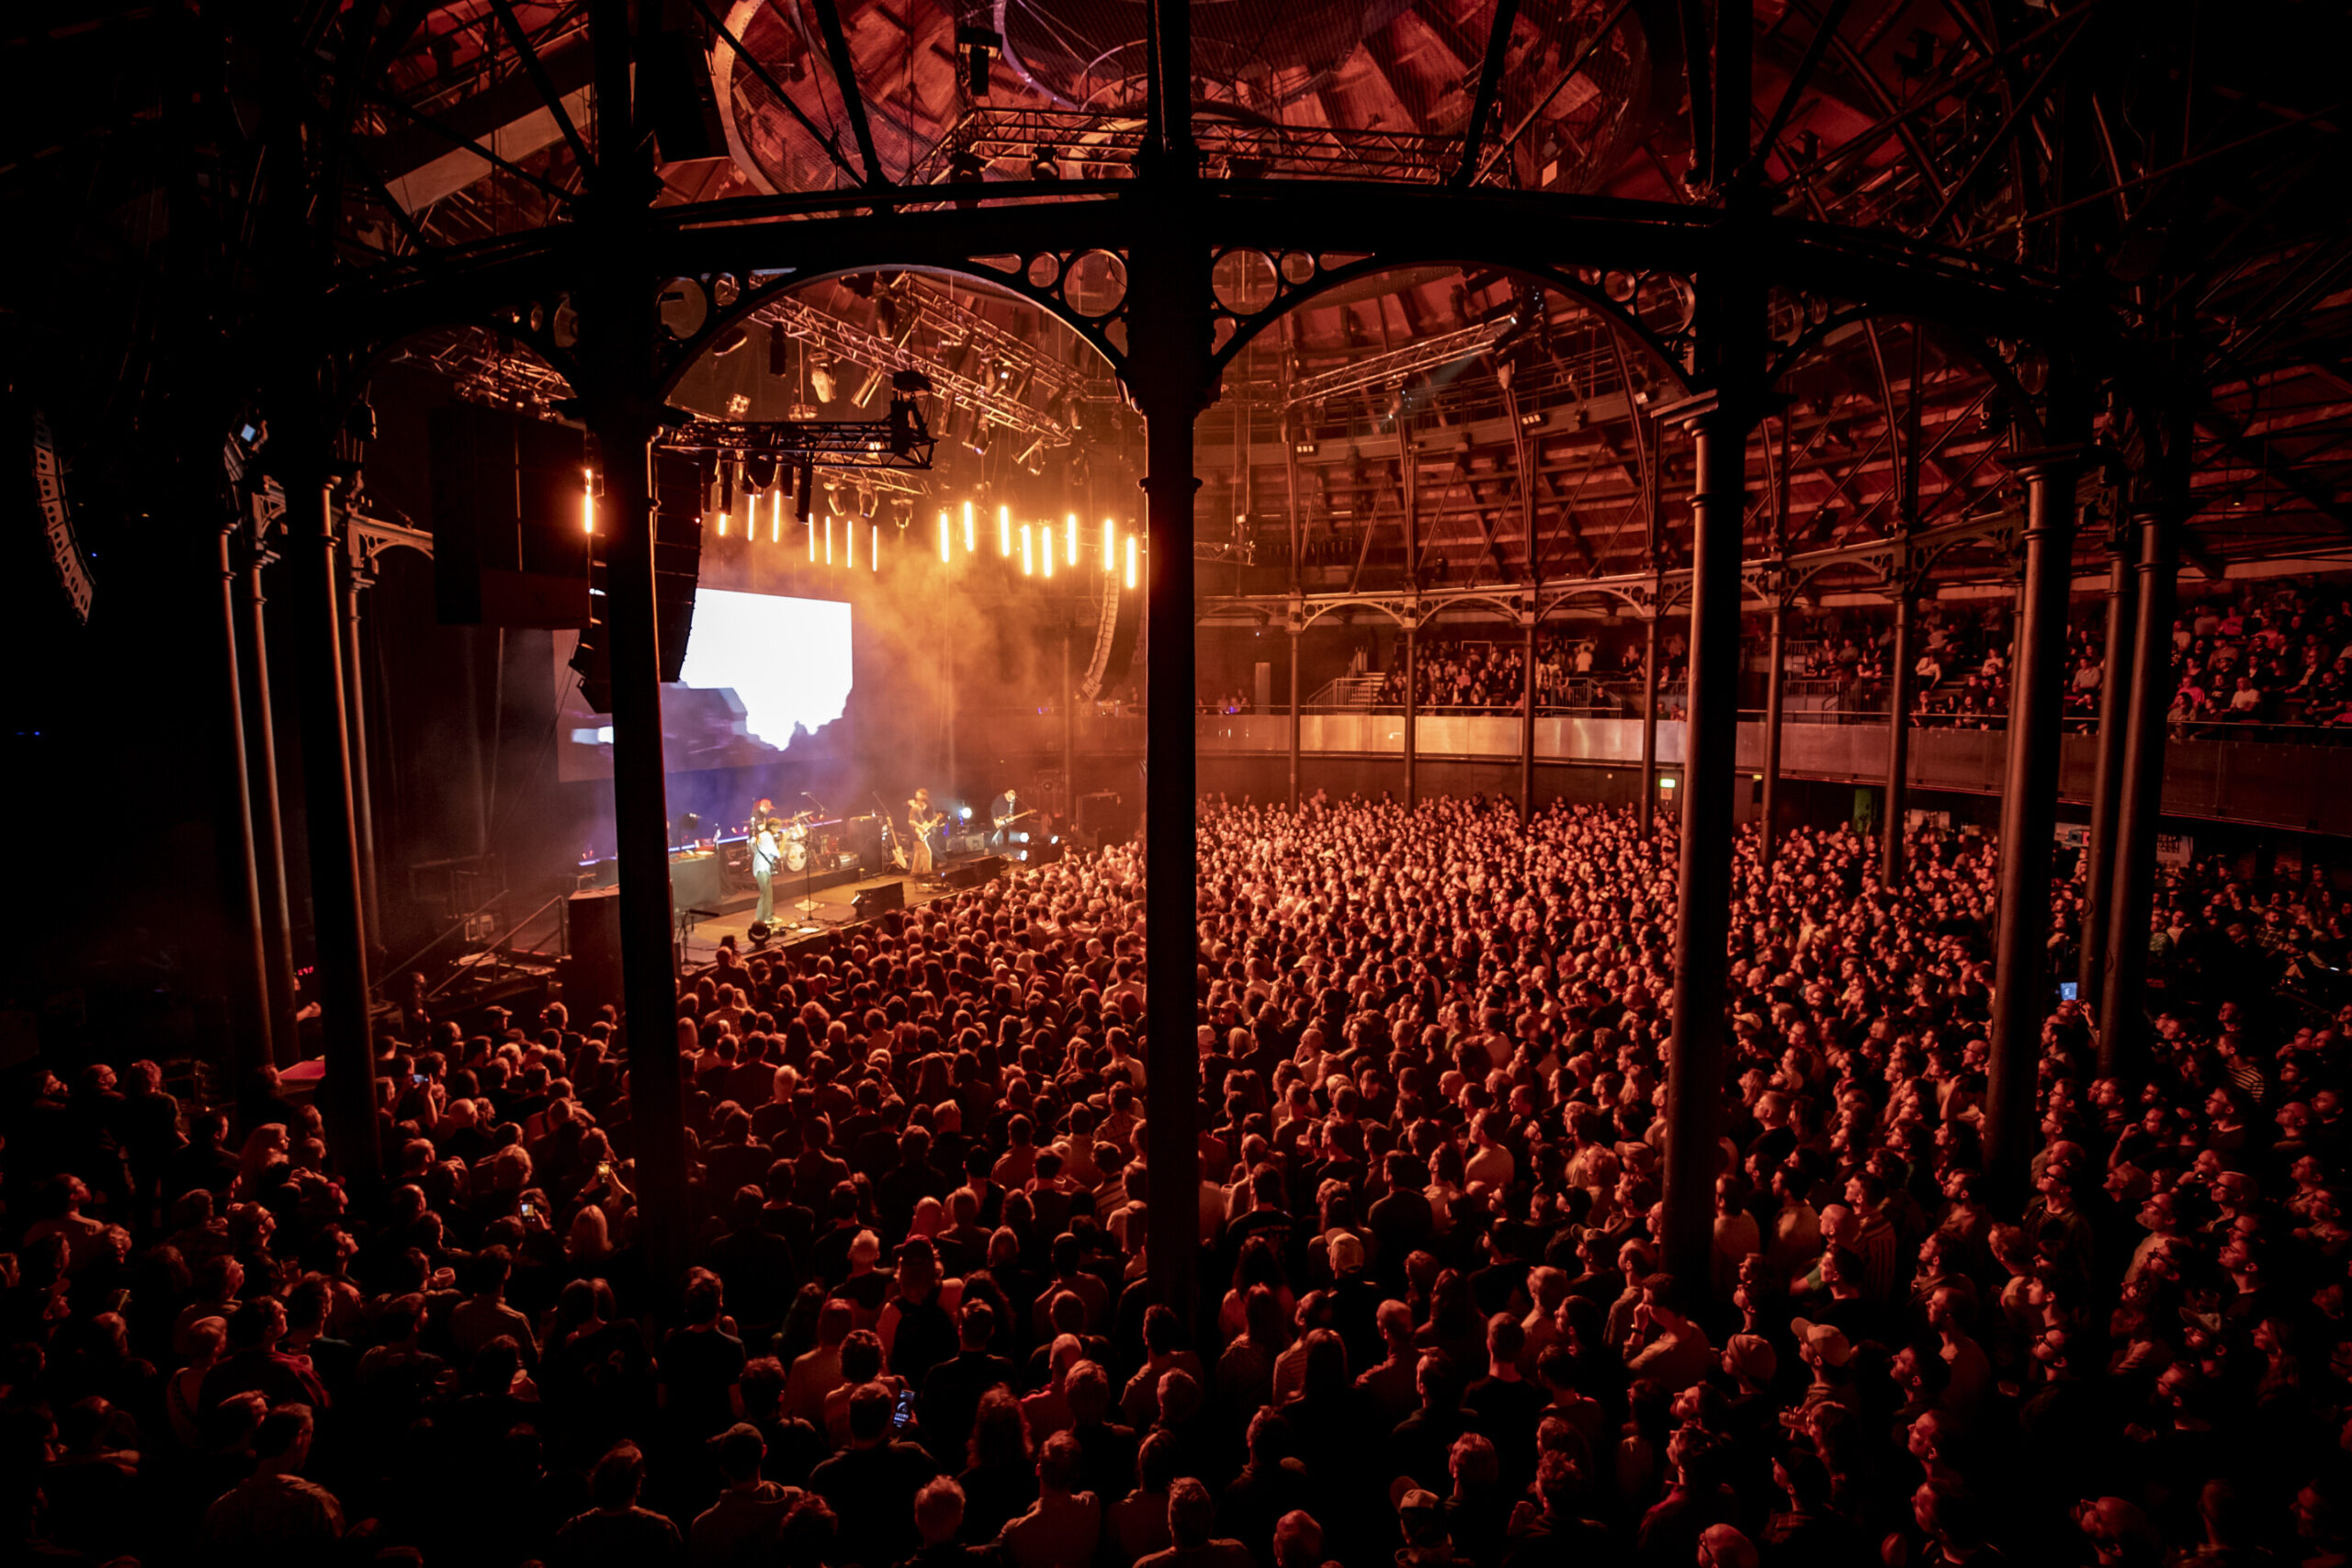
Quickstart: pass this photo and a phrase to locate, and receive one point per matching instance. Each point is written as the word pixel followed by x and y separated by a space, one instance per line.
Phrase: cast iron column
pixel 1069 729
pixel 1898 740
pixel 2116 665
pixel 246 946
pixel 2122 1018
pixel 1775 693
pixel 2029 805
pixel 1709 772
pixel 617 328
pixel 1412 714
pixel 269 820
pixel 1295 635
pixel 339 930
pixel 1649 724
pixel 1168 371
pixel 354 577
pixel 1527 730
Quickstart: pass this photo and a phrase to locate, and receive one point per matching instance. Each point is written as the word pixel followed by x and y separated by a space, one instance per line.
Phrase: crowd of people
pixel 1484 673
pixel 2276 652
pixel 912 1320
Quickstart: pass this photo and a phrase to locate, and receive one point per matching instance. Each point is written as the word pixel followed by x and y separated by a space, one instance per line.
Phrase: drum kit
pixel 803 840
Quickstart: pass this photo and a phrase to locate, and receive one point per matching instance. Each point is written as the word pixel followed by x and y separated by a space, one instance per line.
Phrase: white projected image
pixel 762 672
pixel 787 661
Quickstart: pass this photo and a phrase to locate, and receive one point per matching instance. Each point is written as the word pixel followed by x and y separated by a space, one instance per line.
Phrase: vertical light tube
pixel 971 535
pixel 946 552
pixel 1110 544
pixel 1004 530
pixel 1131 561
pixel 1046 544
pixel 829 541
pixel 1028 553
pixel 588 500
pixel 1071 529
pixel 775 516
pixel 849 539
pixel 874 551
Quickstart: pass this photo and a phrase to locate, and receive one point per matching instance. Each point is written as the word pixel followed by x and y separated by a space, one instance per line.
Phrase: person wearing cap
pixel 744 1521
pixel 1420 1517
pixel 1824 1348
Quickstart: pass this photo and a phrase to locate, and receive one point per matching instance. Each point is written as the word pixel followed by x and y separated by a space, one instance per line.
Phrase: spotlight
pixel 759 931
pixel 821 382
pixel 945 552
pixel 1004 530
pixel 864 396
pixel 865 502
pixel 1044 165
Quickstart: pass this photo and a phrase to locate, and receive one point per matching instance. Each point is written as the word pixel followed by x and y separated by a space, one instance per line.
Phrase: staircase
pixel 1344 692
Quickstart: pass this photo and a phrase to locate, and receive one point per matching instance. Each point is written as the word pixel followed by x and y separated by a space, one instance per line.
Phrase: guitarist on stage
pixel 1003 812
pixel 921 822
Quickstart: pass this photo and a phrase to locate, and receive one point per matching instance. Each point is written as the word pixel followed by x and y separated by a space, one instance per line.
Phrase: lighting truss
pixel 844 340
pixel 902 441
pixel 955 320
pixel 1387 369
pixel 1111 142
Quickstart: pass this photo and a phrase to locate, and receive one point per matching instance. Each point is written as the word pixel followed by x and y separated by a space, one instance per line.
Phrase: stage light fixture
pixel 947 553
pixel 864 396
pixel 1028 553
pixel 1004 530
pixel 1131 561
pixel 1045 547
pixel 1110 544
pixel 821 382
pixel 971 531
pixel 1044 165
pixel 1070 528
pixel 588 500
pixel 873 551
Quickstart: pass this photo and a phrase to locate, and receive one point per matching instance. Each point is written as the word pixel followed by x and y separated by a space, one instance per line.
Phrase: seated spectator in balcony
pixel 2245 703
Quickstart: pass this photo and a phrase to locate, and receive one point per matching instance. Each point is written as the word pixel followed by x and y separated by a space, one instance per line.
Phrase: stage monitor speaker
pixel 974 873
pixel 677 571
pixel 875 900
pixel 1042 853
pixel 592 934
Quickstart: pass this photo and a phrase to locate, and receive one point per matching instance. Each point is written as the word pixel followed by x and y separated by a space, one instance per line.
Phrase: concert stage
pixel 836 912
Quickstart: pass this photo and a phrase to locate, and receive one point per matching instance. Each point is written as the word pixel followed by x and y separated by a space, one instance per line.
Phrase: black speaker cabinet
pixel 592 926
pixel 875 900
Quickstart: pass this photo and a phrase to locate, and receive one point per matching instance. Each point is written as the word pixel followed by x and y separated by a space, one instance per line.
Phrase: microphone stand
pixel 808 861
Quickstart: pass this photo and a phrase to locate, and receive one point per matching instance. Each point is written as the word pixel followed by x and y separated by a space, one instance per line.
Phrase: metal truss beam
pixel 815 236
pixel 1765 581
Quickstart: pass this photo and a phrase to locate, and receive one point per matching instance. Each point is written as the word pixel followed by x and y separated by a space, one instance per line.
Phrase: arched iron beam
pixel 1661 354
pixel 1534 233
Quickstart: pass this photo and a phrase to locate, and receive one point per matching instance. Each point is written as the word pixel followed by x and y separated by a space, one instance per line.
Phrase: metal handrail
pixel 454 926
pixel 498 946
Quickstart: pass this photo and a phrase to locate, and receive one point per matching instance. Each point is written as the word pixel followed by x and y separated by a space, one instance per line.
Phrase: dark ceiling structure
pixel 2160 177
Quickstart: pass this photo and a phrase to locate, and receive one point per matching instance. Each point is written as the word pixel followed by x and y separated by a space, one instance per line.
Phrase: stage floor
pixel 792 927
